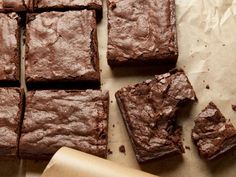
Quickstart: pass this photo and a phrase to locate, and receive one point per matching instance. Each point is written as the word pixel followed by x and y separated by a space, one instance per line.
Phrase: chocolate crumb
pixel 109 152
pixel 205 45
pixel 234 107
pixel 204 81
pixel 113 5
pixel 122 149
pixel 223 45
pixel 113 125
pixel 111 101
pixel 207 87
pixel 187 147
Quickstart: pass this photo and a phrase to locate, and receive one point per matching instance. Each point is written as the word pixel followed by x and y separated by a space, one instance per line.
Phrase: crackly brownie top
pixel 66 3
pixel 149 108
pixel 9 47
pixel 141 29
pixel 15 5
pixel 212 134
pixel 61 46
pixel 9 117
pixel 76 119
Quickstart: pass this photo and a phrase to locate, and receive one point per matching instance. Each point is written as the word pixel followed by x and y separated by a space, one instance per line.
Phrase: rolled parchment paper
pixel 72 163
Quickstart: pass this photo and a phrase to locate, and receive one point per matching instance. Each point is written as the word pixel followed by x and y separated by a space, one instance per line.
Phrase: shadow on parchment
pixel 11 167
pixel 184 112
pixel 35 167
pixel 162 166
pixel 141 71
pixel 222 163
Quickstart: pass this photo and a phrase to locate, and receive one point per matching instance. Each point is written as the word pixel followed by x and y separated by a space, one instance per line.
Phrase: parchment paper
pixel 72 163
pixel 207 45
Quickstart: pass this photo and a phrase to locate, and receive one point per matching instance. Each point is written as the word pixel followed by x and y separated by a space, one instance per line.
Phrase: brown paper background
pixel 207 45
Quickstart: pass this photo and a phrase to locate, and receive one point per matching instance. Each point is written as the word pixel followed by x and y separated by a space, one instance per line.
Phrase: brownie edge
pixel 11 107
pixel 10 49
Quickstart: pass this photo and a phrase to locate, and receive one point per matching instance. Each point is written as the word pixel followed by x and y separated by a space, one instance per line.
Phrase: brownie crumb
pixel 113 125
pixel 207 87
pixel 205 45
pixel 113 5
pixel 122 149
pixel 109 152
pixel 111 101
pixel 223 45
pixel 234 107
pixel 187 147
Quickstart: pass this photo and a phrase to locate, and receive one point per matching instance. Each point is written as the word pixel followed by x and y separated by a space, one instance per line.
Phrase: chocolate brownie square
pixel 61 47
pixel 10 118
pixel 40 5
pixel 212 133
pixel 16 5
pixel 149 112
pixel 75 119
pixel 9 48
pixel 141 32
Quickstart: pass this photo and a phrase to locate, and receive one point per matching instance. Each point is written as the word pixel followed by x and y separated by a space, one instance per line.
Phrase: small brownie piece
pixel 141 32
pixel 149 112
pixel 212 134
pixel 9 48
pixel 75 119
pixel 40 5
pixel 62 47
pixel 16 5
pixel 10 118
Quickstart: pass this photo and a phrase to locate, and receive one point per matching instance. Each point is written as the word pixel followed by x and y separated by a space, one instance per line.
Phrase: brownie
pixel 9 48
pixel 16 5
pixel 149 110
pixel 75 119
pixel 213 134
pixel 141 32
pixel 10 118
pixel 40 5
pixel 233 107
pixel 62 47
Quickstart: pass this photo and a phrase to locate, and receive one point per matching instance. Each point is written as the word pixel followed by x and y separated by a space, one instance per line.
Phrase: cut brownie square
pixel 10 118
pixel 141 32
pixel 9 48
pixel 61 47
pixel 149 112
pixel 16 5
pixel 75 119
pixel 212 134
pixel 40 5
